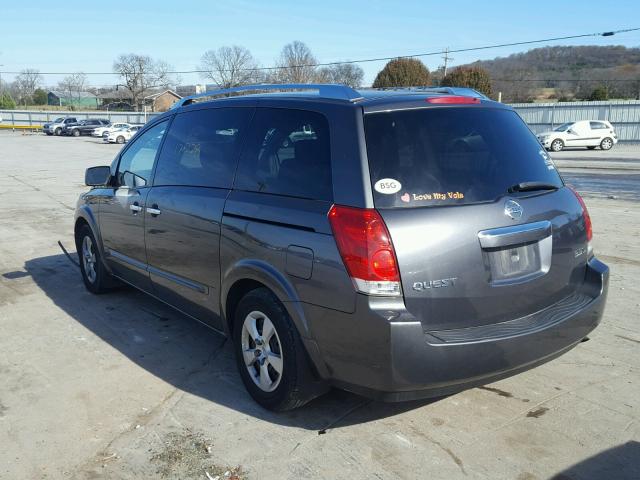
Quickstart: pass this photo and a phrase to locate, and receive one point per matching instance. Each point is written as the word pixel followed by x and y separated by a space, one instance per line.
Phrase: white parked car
pixel 121 136
pixel 112 127
pixel 585 133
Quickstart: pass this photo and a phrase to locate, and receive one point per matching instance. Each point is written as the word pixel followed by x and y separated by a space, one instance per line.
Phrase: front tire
pixel 606 143
pixel 95 276
pixel 57 132
pixel 557 145
pixel 270 355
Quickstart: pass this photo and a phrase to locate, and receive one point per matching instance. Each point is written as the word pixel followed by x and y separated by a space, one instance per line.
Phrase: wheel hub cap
pixel 89 259
pixel 261 351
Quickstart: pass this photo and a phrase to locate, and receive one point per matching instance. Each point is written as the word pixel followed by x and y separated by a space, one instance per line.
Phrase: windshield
pixel 58 120
pixel 562 128
pixel 451 156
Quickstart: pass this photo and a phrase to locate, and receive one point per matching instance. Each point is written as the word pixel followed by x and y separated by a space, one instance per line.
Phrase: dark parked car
pixel 84 127
pixel 396 244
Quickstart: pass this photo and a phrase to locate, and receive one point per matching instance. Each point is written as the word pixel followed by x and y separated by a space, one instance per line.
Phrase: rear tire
pixel 557 145
pixel 76 133
pixel 120 139
pixel 606 143
pixel 271 358
pixel 95 276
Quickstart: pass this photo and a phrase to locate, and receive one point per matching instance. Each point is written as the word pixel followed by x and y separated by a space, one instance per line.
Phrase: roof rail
pixel 328 90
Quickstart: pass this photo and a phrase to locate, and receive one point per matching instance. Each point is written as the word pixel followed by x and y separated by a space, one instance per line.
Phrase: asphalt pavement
pixel 613 174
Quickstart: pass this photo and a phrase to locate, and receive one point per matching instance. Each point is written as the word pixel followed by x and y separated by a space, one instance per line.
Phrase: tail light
pixel 453 100
pixel 365 246
pixel 585 215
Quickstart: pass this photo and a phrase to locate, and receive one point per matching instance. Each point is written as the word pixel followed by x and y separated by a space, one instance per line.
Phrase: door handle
pixel 154 210
pixel 135 207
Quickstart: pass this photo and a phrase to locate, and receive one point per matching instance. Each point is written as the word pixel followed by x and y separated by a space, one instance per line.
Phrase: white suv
pixel 585 133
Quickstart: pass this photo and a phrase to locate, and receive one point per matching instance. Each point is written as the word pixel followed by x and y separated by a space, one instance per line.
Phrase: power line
pixel 379 59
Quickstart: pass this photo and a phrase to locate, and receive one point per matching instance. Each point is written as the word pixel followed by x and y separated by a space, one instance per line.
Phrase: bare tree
pixel 26 83
pixel 296 64
pixel 140 73
pixel 345 73
pixel 73 85
pixel 229 66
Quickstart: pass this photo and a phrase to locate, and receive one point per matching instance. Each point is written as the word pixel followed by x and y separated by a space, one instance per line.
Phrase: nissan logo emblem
pixel 512 209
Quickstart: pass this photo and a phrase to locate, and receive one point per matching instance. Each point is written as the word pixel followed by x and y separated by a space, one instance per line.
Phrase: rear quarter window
pixel 287 153
pixel 451 156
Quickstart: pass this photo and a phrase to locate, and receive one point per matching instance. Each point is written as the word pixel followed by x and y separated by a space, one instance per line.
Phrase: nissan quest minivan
pixel 399 244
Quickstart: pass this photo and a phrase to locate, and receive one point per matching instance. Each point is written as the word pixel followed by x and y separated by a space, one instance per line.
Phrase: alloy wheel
pixel 556 146
pixel 262 351
pixel 89 259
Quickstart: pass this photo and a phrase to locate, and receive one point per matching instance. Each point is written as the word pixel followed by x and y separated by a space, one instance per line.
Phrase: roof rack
pixel 327 90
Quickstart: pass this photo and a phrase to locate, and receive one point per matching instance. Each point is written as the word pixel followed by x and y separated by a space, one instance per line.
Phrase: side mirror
pixel 97 176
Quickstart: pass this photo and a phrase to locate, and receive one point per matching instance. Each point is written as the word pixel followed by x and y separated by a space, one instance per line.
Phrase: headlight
pixel 543 138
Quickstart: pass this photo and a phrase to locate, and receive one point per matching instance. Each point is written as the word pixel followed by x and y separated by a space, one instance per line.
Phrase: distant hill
pixel 565 73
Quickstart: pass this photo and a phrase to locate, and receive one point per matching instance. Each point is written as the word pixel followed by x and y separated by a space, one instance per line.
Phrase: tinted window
pixel 136 163
pixel 287 153
pixel 450 156
pixel 201 148
pixel 598 125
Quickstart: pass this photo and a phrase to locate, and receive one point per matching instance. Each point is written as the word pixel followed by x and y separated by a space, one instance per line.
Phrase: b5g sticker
pixel 388 186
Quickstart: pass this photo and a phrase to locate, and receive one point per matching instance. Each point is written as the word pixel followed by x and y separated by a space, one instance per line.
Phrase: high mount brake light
pixel 585 215
pixel 365 246
pixel 453 100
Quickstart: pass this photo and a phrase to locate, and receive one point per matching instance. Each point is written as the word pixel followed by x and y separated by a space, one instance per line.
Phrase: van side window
pixel 598 125
pixel 287 153
pixel 136 163
pixel 201 148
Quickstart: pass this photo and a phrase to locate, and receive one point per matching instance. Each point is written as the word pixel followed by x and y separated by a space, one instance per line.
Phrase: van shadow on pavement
pixel 619 463
pixel 185 353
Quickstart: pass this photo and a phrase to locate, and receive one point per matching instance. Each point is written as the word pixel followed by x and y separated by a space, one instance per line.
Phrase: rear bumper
pixel 390 357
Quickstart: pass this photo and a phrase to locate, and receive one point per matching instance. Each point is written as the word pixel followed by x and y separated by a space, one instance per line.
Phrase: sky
pixel 87 36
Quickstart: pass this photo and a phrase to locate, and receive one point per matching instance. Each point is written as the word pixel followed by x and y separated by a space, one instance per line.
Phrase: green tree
pixel 471 77
pixel 403 72
pixel 7 102
pixel 601 92
pixel 39 97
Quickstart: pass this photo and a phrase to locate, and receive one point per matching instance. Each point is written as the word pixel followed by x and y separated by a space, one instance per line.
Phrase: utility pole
pixel 446 59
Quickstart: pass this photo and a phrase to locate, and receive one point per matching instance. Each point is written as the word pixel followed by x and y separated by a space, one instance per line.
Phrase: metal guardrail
pixel 31 118
pixel 624 115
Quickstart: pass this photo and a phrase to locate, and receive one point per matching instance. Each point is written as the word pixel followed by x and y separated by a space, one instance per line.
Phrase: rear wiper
pixel 531 186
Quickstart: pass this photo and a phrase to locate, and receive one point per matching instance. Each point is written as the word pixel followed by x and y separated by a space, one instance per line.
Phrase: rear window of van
pixel 451 156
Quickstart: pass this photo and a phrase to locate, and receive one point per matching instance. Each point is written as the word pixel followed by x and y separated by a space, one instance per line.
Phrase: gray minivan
pixel 398 244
